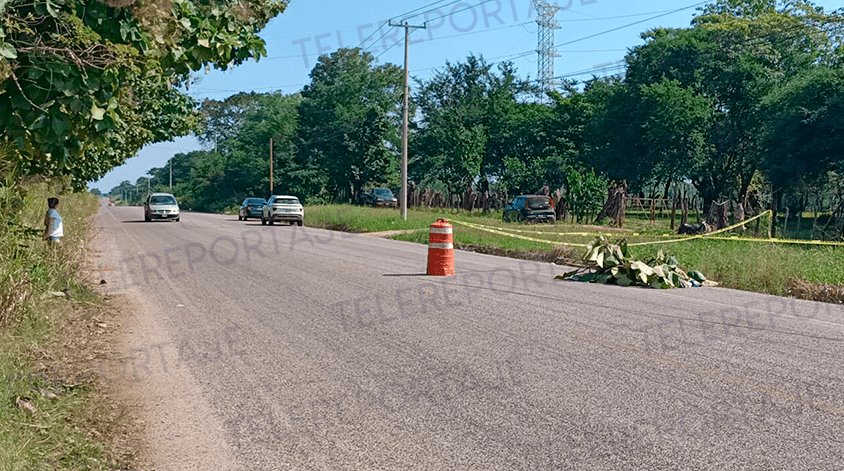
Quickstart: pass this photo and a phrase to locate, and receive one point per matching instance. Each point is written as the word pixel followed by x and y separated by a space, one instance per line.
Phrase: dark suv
pixel 530 208
pixel 380 197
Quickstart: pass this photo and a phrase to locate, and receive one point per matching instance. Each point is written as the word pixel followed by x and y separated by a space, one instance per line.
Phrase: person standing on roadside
pixel 53 227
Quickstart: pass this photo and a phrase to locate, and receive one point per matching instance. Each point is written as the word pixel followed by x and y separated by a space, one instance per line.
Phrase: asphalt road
pixel 254 347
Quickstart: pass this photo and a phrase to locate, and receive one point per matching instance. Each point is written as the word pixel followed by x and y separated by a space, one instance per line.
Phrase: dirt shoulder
pixel 148 374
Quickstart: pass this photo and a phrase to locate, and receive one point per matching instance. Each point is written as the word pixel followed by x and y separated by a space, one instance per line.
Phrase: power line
pixel 584 38
pixel 468 33
pixel 604 18
pixel 519 55
pixel 404 18
pixel 472 7
pixel 407 15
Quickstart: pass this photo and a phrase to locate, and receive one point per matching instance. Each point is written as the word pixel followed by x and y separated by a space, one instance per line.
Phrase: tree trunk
pixel 673 212
pixel 785 223
pixel 614 207
pixel 665 195
pixel 740 216
pixel 718 215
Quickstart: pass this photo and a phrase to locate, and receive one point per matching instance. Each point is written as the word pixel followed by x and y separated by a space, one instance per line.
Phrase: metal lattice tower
pixel 545 13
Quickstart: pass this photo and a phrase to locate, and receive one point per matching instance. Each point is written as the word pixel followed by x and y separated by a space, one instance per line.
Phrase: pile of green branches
pixel 609 263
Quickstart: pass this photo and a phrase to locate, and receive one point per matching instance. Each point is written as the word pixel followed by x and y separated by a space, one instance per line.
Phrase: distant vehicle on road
pixel 251 208
pixel 161 206
pixel 283 209
pixel 380 197
pixel 530 208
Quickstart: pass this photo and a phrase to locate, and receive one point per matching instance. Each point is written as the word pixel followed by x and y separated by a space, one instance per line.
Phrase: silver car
pixel 161 206
pixel 283 209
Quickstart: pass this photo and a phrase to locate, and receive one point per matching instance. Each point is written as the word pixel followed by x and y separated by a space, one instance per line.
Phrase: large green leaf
pixel 8 51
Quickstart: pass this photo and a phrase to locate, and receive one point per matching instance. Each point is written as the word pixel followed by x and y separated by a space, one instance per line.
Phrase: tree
pixel 613 135
pixel 86 83
pixel 735 53
pixel 261 117
pixel 484 105
pixel 454 151
pixel 349 121
pixel 804 130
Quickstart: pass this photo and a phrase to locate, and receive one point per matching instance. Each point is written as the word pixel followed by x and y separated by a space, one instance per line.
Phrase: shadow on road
pixel 396 275
pixel 141 222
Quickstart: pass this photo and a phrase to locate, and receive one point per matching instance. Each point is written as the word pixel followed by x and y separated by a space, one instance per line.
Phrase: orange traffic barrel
pixel 441 249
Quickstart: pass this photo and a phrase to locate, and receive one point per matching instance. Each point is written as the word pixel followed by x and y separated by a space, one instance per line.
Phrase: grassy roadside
pixel 52 416
pixel 362 219
pixel 749 266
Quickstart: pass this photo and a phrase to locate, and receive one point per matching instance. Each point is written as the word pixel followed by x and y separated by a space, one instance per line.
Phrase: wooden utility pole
pixel 405 112
pixel 171 175
pixel 272 183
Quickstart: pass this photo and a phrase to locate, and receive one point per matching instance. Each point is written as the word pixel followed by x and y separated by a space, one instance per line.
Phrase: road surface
pixel 252 347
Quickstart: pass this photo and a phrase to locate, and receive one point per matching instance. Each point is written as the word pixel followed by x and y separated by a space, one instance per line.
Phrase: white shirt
pixel 56 225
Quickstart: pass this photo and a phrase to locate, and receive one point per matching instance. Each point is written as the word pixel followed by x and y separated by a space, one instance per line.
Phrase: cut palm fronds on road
pixel 609 263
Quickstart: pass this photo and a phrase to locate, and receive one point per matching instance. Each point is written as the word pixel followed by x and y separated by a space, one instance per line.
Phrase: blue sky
pixel 496 29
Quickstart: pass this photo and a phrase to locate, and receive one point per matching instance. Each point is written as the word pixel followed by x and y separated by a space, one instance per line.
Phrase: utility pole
pixel 171 175
pixel 405 111
pixel 271 168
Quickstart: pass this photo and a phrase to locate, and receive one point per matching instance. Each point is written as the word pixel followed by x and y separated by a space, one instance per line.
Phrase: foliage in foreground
pixel 609 263
pixel 84 84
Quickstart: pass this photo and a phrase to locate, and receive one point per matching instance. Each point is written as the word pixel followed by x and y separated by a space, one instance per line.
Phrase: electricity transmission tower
pixel 545 13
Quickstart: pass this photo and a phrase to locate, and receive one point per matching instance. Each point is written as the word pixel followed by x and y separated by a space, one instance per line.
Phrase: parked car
pixel 380 197
pixel 530 208
pixel 161 206
pixel 251 208
pixel 283 209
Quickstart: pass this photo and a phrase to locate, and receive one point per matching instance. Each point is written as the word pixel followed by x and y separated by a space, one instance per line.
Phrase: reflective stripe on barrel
pixel 441 246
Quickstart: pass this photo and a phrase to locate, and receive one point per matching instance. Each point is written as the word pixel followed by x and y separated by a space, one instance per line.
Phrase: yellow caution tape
pixel 507 232
pixel 781 241
pixel 701 236
pixel 516 236
pixel 571 234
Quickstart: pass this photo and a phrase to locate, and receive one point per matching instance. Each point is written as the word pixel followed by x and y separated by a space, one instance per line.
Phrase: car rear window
pixel 286 201
pixel 383 192
pixel 162 200
pixel 539 203
pixel 255 202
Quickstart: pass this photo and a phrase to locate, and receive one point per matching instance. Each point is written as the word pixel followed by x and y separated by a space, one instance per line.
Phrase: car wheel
pixel 147 218
pixel 299 223
pixel 178 219
pixel 272 222
pixel 239 217
pixel 263 221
